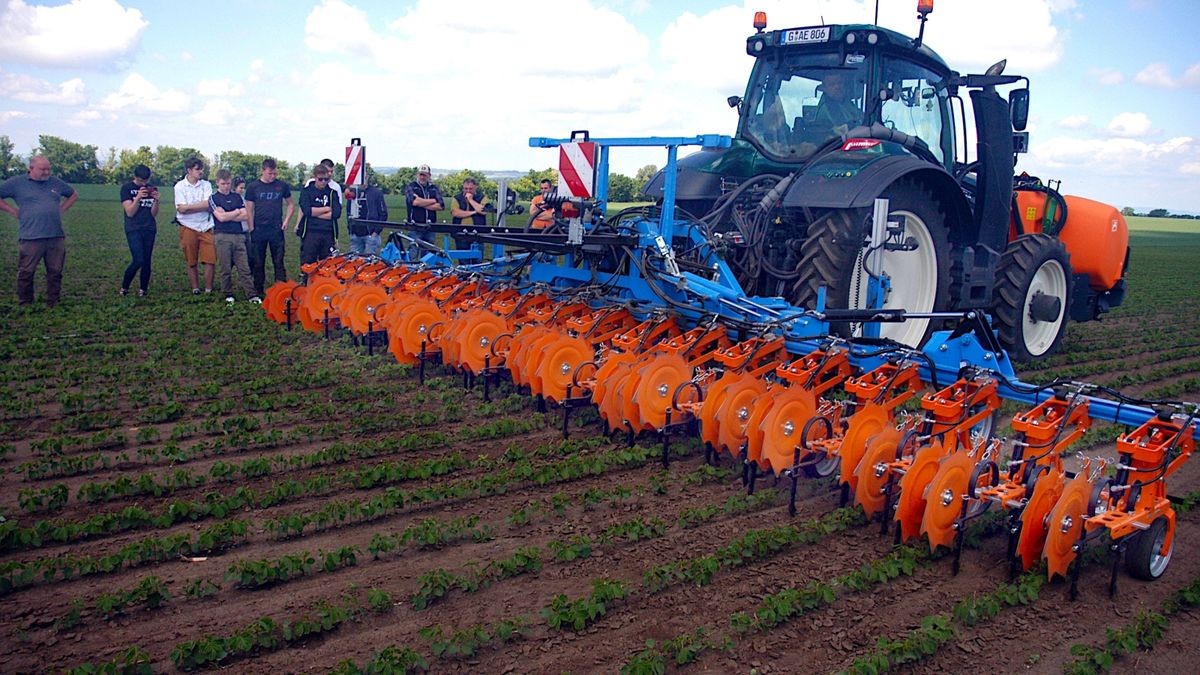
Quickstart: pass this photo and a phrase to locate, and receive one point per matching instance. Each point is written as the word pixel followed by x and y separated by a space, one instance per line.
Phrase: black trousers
pixel 315 246
pixel 141 250
pixel 258 260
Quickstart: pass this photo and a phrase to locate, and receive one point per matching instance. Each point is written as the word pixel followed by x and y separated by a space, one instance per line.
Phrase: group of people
pixel 233 228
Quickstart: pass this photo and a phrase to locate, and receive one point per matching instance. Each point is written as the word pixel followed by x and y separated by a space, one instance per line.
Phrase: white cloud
pixel 217 88
pixel 1191 77
pixel 1190 168
pixel 1117 156
pixel 1108 76
pixel 1156 75
pixel 81 33
pixel 84 118
pixel 7 116
pixel 216 112
pixel 1130 125
pixel 140 95
pixel 32 90
pixel 1074 122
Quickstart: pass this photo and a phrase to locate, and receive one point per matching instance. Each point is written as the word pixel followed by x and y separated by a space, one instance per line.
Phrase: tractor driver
pixel 835 110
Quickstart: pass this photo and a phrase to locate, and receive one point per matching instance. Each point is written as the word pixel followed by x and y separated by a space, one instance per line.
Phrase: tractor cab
pixel 811 86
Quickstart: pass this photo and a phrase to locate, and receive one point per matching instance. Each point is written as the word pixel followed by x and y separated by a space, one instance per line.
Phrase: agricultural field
pixel 189 486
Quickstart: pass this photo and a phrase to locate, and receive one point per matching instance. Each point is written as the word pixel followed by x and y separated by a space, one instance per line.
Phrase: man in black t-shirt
pixel 265 198
pixel 139 204
pixel 321 208
pixel 228 212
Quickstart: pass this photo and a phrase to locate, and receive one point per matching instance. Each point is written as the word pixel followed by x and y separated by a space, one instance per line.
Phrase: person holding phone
pixel 139 201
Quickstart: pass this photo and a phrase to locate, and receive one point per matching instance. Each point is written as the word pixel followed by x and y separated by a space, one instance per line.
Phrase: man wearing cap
pixel 424 199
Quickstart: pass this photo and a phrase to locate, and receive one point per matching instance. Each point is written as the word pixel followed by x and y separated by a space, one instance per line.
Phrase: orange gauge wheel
pixel 475 342
pixel 910 506
pixel 319 298
pixel 872 469
pixel 360 315
pixel 944 496
pixel 414 325
pixel 611 407
pixel 783 425
pixel 1065 524
pixel 863 425
pixel 605 375
pixel 563 356
pixel 1047 490
pixel 660 377
pixel 519 351
pixel 715 396
pixel 275 298
pixel 734 415
pixel 535 354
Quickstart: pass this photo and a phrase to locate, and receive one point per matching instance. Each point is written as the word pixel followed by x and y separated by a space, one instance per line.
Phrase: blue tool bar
pixel 671 143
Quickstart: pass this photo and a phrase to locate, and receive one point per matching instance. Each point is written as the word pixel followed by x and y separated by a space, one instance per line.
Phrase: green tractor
pixel 835 117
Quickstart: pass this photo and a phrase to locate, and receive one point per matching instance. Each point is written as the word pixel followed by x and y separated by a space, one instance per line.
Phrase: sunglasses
pixel 323 179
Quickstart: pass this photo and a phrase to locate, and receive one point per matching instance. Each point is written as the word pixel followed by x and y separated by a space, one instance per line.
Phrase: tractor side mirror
pixel 735 102
pixel 1018 105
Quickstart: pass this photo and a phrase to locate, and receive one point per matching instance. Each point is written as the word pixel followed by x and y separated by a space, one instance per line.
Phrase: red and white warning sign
pixel 577 169
pixel 356 164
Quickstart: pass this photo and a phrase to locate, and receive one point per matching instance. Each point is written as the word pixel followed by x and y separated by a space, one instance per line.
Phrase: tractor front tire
pixel 1032 296
pixel 833 251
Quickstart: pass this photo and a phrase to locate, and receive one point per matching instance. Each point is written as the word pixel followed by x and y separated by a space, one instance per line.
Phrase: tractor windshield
pixel 917 104
pixel 797 102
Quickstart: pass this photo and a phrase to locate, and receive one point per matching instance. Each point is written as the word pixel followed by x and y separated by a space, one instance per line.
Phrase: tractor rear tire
pixel 1034 276
pixel 832 256
pixel 1144 559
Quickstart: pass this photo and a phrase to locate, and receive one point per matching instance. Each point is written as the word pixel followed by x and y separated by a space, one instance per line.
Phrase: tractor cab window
pixel 800 101
pixel 918 105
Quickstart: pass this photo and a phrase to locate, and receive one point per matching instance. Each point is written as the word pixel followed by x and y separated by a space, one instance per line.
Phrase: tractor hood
pixel 701 173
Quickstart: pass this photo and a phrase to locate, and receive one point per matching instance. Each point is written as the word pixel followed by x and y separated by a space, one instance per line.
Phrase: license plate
pixel 796 36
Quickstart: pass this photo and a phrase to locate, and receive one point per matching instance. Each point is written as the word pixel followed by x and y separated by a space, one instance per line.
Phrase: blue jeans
pixel 367 244
pixel 141 248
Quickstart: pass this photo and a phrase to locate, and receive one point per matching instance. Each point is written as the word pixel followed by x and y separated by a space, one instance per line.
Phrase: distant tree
pixel 110 163
pixel 644 174
pixel 168 162
pixel 622 188
pixel 11 163
pixel 528 185
pixel 72 162
pixel 399 180
pixel 1158 213
pixel 128 160
pixel 241 164
pixel 300 174
pixel 1128 211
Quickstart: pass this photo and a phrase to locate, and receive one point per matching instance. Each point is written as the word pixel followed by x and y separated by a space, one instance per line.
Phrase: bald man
pixel 40 199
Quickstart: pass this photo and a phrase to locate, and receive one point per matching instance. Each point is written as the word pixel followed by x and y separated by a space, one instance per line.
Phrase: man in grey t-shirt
pixel 39 198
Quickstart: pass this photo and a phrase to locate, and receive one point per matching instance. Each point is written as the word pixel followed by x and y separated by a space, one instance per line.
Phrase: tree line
pixel 79 163
pixel 1156 213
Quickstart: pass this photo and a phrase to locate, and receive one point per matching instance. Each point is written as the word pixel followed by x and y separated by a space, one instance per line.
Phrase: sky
pixel 1115 85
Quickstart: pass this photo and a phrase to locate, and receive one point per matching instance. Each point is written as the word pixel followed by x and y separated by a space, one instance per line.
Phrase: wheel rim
pixel 914 276
pixel 1158 559
pixel 1050 279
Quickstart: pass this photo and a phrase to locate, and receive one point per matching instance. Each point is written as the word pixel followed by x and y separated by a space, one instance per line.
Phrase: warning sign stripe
pixel 577 169
pixel 354 165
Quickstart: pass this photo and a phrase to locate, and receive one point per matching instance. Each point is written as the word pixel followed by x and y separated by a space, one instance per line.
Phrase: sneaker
pixel 229 299
pixel 141 292
pixel 208 290
pixel 123 292
pixel 195 291
pixel 256 300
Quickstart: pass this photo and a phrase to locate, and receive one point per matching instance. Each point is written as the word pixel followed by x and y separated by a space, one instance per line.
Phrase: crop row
pixel 14 537
pixel 1143 632
pixel 224 535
